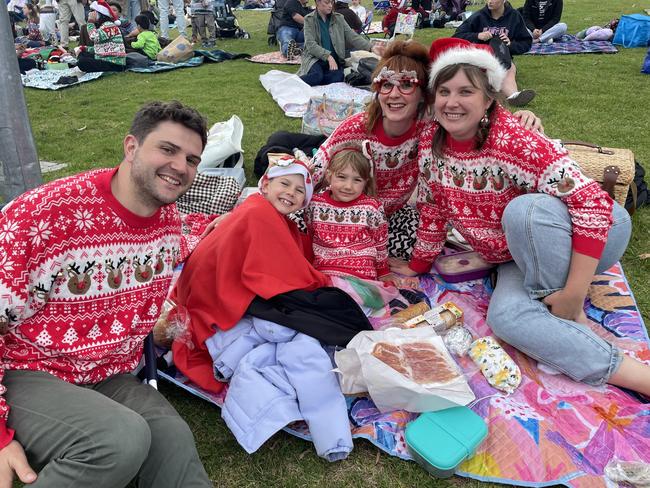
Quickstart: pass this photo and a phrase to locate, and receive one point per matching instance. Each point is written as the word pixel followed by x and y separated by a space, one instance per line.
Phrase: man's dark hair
pixel 116 6
pixel 153 113
pixel 142 21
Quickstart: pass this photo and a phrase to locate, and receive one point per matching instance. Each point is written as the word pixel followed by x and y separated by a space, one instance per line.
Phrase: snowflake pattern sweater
pixel 82 280
pixel 470 188
pixel 395 167
pixel 348 237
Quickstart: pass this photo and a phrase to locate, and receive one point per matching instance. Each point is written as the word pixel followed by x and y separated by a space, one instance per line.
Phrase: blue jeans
pixel 555 32
pixel 134 9
pixel 285 34
pixel 321 74
pixel 163 6
pixel 539 232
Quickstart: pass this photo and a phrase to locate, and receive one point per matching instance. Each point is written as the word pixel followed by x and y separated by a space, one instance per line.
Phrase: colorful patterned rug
pixel 569 44
pixel 551 430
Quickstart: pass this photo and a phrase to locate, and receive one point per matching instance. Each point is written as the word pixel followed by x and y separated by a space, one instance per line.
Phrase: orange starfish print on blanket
pixel 610 416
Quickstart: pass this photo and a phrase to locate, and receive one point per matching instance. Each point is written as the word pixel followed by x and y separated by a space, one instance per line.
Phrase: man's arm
pixel 298 18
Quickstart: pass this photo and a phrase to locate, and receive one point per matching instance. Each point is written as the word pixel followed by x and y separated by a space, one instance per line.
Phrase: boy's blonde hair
pixel 353 157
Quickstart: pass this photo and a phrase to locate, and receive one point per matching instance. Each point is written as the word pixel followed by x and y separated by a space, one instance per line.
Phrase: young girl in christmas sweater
pixel 346 223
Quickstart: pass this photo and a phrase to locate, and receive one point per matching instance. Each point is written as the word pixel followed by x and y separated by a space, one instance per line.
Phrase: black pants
pixel 86 62
pixel 25 64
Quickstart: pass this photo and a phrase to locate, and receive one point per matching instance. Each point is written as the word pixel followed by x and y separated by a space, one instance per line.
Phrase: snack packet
pixel 496 365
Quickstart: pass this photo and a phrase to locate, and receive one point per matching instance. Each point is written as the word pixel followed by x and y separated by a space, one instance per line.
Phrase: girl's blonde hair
pixel 354 158
pixel 400 56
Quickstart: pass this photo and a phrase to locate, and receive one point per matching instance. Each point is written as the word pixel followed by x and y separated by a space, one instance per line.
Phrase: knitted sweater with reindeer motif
pixel 395 166
pixel 82 280
pixel 470 188
pixel 348 237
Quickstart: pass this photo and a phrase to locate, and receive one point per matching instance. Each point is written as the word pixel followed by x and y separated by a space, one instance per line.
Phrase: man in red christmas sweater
pixel 85 264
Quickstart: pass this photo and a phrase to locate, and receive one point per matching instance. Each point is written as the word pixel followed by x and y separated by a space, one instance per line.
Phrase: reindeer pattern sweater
pixel 82 280
pixel 348 237
pixel 470 188
pixel 395 163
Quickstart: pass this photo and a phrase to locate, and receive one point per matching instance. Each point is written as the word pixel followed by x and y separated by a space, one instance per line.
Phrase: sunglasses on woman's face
pixel 405 87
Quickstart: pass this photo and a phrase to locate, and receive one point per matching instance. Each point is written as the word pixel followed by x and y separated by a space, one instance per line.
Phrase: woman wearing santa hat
pixel 524 204
pixel 391 128
pixel 107 52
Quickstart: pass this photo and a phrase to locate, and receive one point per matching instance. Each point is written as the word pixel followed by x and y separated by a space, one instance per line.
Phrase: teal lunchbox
pixel 440 441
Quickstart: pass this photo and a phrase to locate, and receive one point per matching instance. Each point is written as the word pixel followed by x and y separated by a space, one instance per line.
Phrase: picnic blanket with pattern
pixel 569 44
pixel 552 430
pixel 274 57
pixel 47 80
pixel 200 56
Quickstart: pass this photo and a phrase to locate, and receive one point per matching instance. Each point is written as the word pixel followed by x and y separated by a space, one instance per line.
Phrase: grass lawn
pixel 596 98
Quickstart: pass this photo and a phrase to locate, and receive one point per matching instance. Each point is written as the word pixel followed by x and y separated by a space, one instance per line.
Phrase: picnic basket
pixel 612 168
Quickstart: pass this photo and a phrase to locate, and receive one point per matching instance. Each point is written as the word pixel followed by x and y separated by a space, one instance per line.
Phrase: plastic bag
pixel 224 140
pixel 361 371
pixel 634 473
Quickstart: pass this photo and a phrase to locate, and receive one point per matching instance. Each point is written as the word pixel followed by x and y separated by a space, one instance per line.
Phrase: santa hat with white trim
pixel 449 51
pixel 105 9
pixel 288 165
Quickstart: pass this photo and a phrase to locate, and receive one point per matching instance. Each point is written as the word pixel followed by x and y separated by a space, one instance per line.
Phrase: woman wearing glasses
pixel 392 124
pixel 327 39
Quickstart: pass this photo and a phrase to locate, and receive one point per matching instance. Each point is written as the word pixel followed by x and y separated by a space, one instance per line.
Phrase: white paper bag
pixel 362 372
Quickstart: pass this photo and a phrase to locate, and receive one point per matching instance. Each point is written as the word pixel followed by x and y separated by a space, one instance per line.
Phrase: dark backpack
pixel 363 74
pixel 642 196
pixel 285 142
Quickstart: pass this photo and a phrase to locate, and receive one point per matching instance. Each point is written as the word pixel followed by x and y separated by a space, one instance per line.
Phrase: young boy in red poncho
pixel 255 251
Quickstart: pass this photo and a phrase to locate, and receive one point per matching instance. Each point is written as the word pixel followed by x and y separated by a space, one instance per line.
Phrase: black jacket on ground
pixel 511 23
pixel 542 14
pixel 327 314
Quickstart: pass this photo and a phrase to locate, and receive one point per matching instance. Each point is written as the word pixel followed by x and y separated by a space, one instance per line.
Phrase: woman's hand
pixel 401 267
pixel 566 306
pixel 529 120
pixel 505 39
pixel 332 63
pixel 485 35
pixel 537 33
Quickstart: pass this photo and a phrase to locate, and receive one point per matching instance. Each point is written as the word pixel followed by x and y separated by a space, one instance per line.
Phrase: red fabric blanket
pixel 254 251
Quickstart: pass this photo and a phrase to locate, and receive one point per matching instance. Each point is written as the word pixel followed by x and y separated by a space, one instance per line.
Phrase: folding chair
pixel 366 24
pixel 406 25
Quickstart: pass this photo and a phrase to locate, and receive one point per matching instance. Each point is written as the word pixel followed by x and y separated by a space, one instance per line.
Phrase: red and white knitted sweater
pixel 395 169
pixel 348 237
pixel 82 280
pixel 470 188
